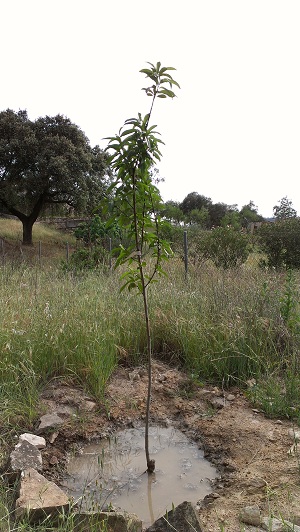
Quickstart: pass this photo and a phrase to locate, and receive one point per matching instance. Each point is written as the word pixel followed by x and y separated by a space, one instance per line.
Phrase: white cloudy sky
pixel 233 133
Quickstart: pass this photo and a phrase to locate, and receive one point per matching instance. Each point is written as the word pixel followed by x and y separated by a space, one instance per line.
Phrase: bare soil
pixel 250 451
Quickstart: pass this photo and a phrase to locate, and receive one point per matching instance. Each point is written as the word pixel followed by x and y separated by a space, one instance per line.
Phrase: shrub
pixel 87 259
pixel 225 246
pixel 280 241
pixel 96 232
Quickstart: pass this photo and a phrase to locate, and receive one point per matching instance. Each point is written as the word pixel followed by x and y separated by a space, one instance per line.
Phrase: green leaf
pixel 169 93
pixel 127 132
pixel 162 70
pixel 146 71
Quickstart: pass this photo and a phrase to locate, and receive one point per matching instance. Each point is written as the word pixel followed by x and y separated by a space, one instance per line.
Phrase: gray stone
pixel 89 406
pixel 114 522
pixel 278 525
pixel 183 518
pixel 25 456
pixel 65 410
pixel 37 441
pixel 38 497
pixel 217 402
pixel 251 515
pixel 49 421
pixel 294 435
pixel 53 437
pixel 230 397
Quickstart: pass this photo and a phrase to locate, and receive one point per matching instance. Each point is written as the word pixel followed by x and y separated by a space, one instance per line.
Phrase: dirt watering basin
pixel 113 472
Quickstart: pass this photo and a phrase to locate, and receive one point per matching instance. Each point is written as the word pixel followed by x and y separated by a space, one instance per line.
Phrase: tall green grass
pixel 222 327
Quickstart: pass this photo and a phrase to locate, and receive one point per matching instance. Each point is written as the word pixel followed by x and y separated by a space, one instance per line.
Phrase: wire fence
pixel 42 253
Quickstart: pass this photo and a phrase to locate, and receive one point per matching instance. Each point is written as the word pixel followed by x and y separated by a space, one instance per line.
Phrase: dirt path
pixel 250 451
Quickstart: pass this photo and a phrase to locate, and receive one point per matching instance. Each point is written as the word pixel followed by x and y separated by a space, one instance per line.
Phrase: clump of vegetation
pixel 95 231
pixel 91 258
pixel 280 242
pixel 227 247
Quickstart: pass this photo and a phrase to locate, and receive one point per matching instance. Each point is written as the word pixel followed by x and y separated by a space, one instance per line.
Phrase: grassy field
pixel 221 327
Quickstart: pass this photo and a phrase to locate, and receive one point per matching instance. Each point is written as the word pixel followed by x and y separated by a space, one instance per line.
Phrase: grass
pixel 48 243
pixel 221 327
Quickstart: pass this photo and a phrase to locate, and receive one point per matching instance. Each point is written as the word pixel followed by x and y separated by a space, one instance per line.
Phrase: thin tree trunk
pixel 150 463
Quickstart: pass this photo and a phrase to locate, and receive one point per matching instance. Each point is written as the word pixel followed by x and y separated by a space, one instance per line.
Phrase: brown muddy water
pixel 113 473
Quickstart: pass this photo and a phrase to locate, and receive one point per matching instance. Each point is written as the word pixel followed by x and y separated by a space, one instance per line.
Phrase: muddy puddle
pixel 113 473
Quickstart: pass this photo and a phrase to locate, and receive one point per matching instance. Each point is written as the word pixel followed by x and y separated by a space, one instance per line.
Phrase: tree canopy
pixel 46 161
pixel 194 201
pixel 284 210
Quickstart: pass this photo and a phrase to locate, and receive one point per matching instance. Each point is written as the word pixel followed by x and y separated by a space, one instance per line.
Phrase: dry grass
pixel 48 242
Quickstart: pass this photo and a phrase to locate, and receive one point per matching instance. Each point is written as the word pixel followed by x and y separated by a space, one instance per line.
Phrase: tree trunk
pixel 150 463
pixel 27 231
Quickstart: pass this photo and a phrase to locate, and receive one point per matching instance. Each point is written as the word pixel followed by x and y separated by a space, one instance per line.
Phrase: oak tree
pixel 46 161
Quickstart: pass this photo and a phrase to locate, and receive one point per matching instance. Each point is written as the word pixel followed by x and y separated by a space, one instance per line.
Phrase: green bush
pixel 87 259
pixel 96 232
pixel 280 241
pixel 225 246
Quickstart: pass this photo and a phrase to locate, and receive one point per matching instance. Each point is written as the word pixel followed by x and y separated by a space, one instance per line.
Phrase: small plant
pixel 138 204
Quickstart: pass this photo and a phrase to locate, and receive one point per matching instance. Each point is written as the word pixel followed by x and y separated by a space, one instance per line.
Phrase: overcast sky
pixel 233 133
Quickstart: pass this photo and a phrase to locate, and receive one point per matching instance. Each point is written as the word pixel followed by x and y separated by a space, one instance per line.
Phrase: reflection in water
pixel 151 479
pixel 113 472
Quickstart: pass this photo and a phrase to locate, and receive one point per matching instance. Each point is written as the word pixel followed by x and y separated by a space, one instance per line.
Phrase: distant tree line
pixel 48 165
pixel 200 210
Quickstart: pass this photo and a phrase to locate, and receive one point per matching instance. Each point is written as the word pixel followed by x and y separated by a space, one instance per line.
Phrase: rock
pixel 183 518
pixel 49 421
pixel 25 456
pixel 293 450
pixel 254 485
pixel 65 410
pixel 89 406
pixel 217 402
pixel 37 441
pixel 38 497
pixel 251 515
pixel 278 525
pixel 230 397
pixel 294 435
pixel 161 378
pixel 134 376
pixel 271 436
pixel 53 437
pixel 114 522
